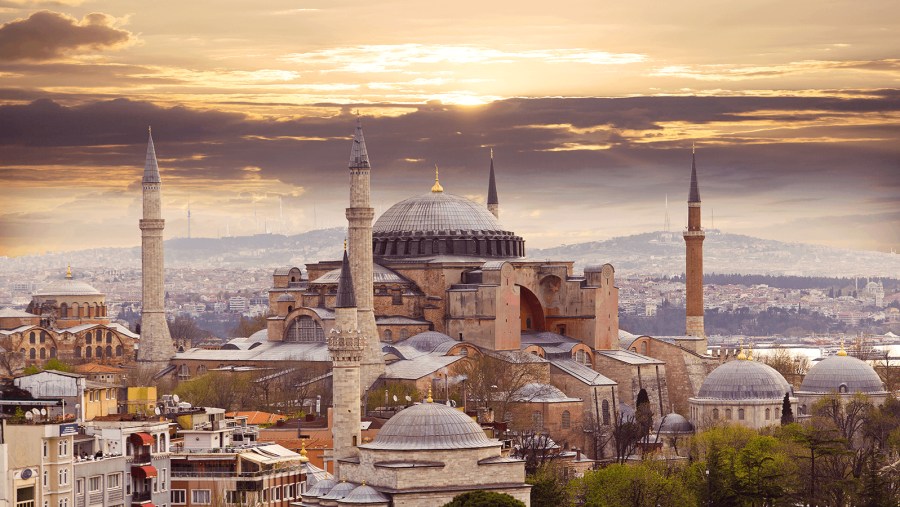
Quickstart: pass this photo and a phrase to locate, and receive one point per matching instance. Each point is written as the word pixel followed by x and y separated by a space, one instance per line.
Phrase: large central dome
pixel 438 223
pixel 434 212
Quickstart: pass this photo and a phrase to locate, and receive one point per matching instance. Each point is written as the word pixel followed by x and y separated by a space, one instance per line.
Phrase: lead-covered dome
pixel 438 223
pixel 68 287
pixel 842 374
pixel 744 380
pixel 430 426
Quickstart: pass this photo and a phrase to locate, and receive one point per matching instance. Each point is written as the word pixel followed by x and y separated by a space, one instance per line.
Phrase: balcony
pixel 139 497
pixel 25 503
pixel 141 458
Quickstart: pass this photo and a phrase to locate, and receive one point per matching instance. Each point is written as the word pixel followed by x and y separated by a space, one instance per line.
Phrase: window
pixel 179 497
pixel 63 476
pixel 114 481
pixel 108 337
pixel 79 487
pixel 46 449
pixel 304 329
pixel 537 420
pixel 606 412
pixel 715 413
pixel 64 447
pixel 31 337
pixel 46 482
pixel 200 496
pixel 32 354
pixel 276 494
pixel 728 414
pixel 566 419
pixel 235 496
pixel 162 473
pixel 63 502
pixel 156 485
pixel 768 413
pixel 87 338
pixel 43 336
pixel 741 414
pixel 78 351
pixel 95 483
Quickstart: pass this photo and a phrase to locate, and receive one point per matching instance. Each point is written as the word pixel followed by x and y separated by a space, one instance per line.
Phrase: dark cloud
pixel 47 35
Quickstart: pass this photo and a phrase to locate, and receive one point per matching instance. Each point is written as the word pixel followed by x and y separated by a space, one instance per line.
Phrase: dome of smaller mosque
pixel 430 426
pixel 842 373
pixel 744 380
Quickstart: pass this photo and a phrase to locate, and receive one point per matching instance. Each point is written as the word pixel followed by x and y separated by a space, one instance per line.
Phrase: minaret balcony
pixel 696 234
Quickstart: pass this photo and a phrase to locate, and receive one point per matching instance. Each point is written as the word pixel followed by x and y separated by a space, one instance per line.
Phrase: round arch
pixel 531 311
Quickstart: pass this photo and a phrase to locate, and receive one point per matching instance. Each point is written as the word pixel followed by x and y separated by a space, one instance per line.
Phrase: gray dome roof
pixel 744 380
pixel 427 341
pixel 436 211
pixel 675 423
pixel 365 494
pixel 829 374
pixel 430 426
pixel 320 489
pixel 68 287
pixel 341 490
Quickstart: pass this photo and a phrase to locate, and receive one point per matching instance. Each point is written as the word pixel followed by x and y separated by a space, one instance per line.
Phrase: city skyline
pixel 591 112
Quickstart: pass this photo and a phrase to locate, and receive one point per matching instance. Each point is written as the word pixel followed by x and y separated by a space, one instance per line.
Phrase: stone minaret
pixel 359 223
pixel 156 343
pixel 693 238
pixel 493 204
pixel 347 346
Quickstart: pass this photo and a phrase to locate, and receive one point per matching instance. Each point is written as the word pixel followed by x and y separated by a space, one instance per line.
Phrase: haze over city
pixel 591 111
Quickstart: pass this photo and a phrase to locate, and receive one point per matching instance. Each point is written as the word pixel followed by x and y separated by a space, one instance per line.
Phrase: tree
pixel 184 329
pixel 495 380
pixel 228 390
pixel 644 415
pixel 549 486
pixel 790 367
pixel 11 362
pixel 537 449
pixel 647 484
pixel 787 413
pixel 247 326
pixel 482 498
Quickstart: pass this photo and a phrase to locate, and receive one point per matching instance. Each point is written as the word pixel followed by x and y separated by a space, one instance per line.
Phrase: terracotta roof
pixel 96 368
pixel 257 417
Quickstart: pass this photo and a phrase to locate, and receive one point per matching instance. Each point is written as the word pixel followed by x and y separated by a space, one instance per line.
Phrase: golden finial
pixel 750 352
pixel 741 356
pixel 345 244
pixel 842 352
pixel 429 399
pixel 303 452
pixel 437 184
pixel 69 272
pixel 492 153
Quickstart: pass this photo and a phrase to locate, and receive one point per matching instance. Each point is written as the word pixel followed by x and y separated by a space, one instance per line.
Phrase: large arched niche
pixel 549 288
pixel 303 325
pixel 531 312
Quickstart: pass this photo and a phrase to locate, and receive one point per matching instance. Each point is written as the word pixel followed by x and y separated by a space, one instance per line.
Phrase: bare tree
pixel 11 361
pixel 496 380
pixel 535 448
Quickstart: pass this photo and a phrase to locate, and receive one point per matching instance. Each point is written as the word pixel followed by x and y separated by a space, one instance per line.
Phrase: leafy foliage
pixel 647 484
pixel 484 499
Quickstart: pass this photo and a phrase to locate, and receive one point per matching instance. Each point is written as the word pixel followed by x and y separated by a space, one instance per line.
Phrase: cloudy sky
pixel 591 109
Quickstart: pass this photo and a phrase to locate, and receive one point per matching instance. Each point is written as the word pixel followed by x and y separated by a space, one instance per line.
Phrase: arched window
pixel 43 353
pixel 842 389
pixel 31 338
pixel 566 419
pixel 537 420
pixel 87 338
pixel 32 353
pixel 184 372
pixel 201 369
pixel 802 409
pixel 78 351
pixel 388 335
pixel 109 337
pixel 304 329
pixel 404 334
pixel 109 351
pixel 728 414
pixel 52 351
pixel 43 336
pixel 88 351
pixel 768 413
pixel 99 351
pixel 290 308
pixel 715 413
pixel 606 412
pixel 741 414
pixel 118 350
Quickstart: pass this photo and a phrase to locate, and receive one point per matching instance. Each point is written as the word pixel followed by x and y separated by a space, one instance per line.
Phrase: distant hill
pixel 656 253
pixel 650 253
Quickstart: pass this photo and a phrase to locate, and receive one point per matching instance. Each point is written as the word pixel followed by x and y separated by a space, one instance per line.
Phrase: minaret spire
pixel 693 239
pixel 436 188
pixel 156 347
pixel 493 203
pixel 359 156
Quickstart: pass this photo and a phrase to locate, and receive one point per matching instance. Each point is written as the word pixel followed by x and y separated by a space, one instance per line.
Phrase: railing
pixel 141 496
pixel 261 473
pixel 141 458
pixel 25 503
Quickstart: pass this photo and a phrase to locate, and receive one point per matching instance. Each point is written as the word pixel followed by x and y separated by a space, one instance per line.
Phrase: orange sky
pixel 591 108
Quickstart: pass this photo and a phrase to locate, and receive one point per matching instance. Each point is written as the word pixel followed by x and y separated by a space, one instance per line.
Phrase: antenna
pixel 667 224
pixel 189 218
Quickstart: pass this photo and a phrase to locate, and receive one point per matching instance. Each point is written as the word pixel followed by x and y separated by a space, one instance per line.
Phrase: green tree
pixel 484 499
pixel 647 484
pixel 548 486
pixel 56 364
pixel 787 413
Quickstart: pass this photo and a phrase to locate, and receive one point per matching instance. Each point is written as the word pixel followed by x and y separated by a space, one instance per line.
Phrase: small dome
pixel 365 494
pixel 436 211
pixel 321 488
pixel 744 380
pixel 341 490
pixel 430 426
pixel 427 341
pixel 675 424
pixel 842 374
pixel 68 287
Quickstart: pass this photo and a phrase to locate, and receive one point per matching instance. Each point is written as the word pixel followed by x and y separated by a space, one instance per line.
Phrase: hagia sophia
pixel 432 283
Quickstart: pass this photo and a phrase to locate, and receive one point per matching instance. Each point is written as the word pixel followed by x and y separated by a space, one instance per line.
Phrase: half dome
pixel 430 426
pixel 744 380
pixel 842 374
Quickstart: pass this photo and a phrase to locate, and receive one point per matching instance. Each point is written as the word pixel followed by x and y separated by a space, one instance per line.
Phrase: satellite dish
pixel 29 416
pixel 43 411
pixel 156 411
pixel 447 403
pixel 395 398
pixel 408 398
pixel 175 398
pixel 35 411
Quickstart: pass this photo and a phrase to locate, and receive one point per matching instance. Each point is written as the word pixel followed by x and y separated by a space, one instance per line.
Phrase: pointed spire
pixel 695 189
pixel 345 294
pixel 429 399
pixel 69 272
pixel 359 157
pixel 492 184
pixel 151 167
pixel 842 352
pixel 436 188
